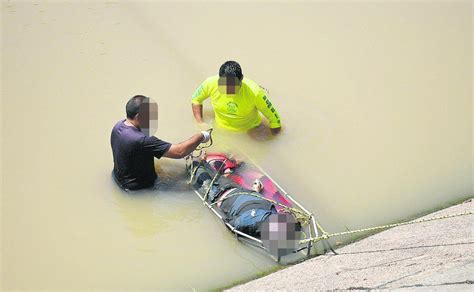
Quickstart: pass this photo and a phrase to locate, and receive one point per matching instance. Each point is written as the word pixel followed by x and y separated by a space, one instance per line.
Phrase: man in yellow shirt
pixel 237 101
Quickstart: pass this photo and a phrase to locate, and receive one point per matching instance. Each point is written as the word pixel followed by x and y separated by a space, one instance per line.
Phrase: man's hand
pixel 275 130
pixel 206 136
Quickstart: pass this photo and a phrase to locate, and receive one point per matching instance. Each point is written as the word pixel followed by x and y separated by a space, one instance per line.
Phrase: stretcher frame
pixel 303 244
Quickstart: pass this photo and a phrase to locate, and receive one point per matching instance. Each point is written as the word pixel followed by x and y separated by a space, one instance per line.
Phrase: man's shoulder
pixel 211 80
pixel 128 133
pixel 253 86
pixel 118 125
pixel 249 82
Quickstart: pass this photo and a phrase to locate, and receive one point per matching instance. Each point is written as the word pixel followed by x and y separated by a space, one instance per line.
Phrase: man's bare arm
pixel 182 149
pixel 197 112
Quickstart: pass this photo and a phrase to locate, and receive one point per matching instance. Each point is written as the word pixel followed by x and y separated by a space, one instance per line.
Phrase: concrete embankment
pixel 435 255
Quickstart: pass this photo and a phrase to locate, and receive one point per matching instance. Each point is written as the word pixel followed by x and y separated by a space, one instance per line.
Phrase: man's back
pixel 133 153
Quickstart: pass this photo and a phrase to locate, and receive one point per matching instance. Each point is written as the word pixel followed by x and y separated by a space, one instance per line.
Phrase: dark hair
pixel 231 69
pixel 133 105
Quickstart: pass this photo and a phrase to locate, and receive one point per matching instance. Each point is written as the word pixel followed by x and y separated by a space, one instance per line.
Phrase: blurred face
pixel 281 234
pixel 148 117
pixel 229 85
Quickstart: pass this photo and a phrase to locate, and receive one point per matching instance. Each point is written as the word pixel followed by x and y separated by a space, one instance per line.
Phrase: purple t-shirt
pixel 133 152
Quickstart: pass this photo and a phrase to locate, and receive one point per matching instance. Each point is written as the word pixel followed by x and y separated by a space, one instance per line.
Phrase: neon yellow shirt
pixel 238 111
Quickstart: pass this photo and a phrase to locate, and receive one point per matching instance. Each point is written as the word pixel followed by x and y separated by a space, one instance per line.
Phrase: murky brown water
pixel 375 101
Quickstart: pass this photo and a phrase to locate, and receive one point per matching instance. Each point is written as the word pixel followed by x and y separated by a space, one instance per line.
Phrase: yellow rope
pixel 193 173
pixel 326 235
pixel 215 177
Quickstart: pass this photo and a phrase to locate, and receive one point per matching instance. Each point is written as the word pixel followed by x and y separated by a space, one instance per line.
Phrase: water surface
pixel 375 100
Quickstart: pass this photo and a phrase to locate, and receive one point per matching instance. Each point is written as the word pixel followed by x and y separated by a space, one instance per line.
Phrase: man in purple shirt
pixel 134 149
